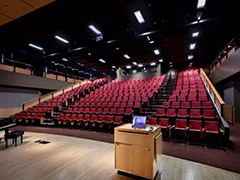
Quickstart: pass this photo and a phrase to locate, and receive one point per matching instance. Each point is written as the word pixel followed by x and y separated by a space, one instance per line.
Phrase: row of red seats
pixel 40 109
pixel 89 118
pixel 190 92
pixel 211 127
pixel 20 117
pixel 100 110
pixel 114 99
pixel 116 94
pixel 189 104
pixel 130 104
pixel 184 113
pixel 200 97
pixel 49 104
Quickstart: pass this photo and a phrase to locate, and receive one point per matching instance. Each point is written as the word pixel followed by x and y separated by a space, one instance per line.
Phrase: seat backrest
pixel 171 112
pixel 196 104
pixel 182 112
pixel 80 116
pixel 94 117
pixel 185 104
pixel 209 114
pixel 202 98
pixel 182 98
pixel 195 112
pixel 87 116
pixel 152 121
pixel 101 118
pixel 109 118
pixel 207 104
pixel 195 125
pixel 175 104
pixel 211 126
pixel 164 122
pixel 166 104
pixel 118 119
pixel 160 111
pixel 181 123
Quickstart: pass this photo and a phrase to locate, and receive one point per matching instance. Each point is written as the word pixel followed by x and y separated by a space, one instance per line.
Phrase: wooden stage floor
pixel 75 158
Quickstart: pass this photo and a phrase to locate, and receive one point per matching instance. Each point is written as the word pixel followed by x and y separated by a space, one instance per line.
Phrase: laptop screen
pixel 139 121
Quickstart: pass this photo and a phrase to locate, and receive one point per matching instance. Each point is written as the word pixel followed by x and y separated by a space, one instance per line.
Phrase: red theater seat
pixel 209 114
pixel 181 124
pixel 128 111
pixel 176 105
pixel 207 105
pixel 152 121
pixel 171 113
pixel 118 120
pixel 202 98
pixel 109 119
pixel 183 113
pixel 195 125
pixel 185 104
pixel 195 113
pixel 211 127
pixel 166 104
pixel 196 105
pixel 182 98
pixel 160 113
pixel 172 98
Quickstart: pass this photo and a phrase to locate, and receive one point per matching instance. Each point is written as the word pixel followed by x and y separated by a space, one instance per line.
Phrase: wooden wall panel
pixel 4 19
pixel 6 67
pixel 23 71
pixel 51 76
pixel 38 3
pixel 6 112
pixel 60 78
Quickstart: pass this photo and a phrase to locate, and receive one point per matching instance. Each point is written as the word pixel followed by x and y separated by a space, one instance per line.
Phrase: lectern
pixel 138 151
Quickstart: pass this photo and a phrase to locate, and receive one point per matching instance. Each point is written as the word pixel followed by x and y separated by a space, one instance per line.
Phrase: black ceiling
pixel 171 22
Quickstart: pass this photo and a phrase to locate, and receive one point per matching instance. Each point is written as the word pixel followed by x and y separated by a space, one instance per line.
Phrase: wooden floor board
pixel 71 158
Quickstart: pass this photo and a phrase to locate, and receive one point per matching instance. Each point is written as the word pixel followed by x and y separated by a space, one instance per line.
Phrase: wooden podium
pixel 138 151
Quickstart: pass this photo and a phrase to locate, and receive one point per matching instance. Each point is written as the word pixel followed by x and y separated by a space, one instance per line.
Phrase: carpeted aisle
pixel 228 159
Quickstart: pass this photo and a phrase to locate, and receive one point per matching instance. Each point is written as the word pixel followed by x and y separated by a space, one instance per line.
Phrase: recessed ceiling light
pixel 148 38
pixel 128 67
pixel 114 67
pixel 160 60
pixel 101 60
pixel 80 64
pixel 151 42
pixel 201 4
pixel 195 34
pixel 156 51
pixel 171 65
pixel 139 17
pixel 191 63
pixel 140 65
pixel 117 48
pixel 94 69
pixel 35 46
pixel 111 41
pixel 135 63
pixel 126 56
pixel 61 39
pixel 64 59
pixel 94 29
pixel 192 46
pixel 190 57
pixel 153 64
pixel 170 62
pixel 89 54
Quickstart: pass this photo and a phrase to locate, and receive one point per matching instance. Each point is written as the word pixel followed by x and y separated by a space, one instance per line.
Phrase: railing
pixel 20 67
pixel 213 92
pixel 53 94
pixel 223 56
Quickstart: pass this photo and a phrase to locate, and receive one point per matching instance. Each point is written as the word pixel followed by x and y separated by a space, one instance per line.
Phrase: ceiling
pixel 170 25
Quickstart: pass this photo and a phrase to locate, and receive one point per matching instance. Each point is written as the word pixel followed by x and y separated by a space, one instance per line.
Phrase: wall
pixel 237 101
pixel 140 75
pixel 27 81
pixel 14 97
pixel 228 68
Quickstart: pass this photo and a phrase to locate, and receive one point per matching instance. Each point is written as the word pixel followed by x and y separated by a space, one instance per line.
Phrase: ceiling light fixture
pixel 190 57
pixel 114 67
pixel 64 59
pixel 128 67
pixel 156 51
pixel 61 39
pixel 153 64
pixel 139 17
pixel 117 48
pixel 126 56
pixel 94 29
pixel 160 60
pixel 135 63
pixel 151 42
pixel 140 65
pixel 101 60
pixel 148 38
pixel 170 62
pixel 35 46
pixel 192 46
pixel 201 4
pixel 195 34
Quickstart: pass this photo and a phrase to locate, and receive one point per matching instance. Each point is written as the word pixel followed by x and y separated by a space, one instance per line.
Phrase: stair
pixel 162 95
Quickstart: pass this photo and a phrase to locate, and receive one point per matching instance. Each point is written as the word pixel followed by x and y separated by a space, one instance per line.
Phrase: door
pixel 123 157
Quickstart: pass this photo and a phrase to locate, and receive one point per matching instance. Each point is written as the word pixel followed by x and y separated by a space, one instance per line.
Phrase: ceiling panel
pixel 38 3
pixel 4 19
pixel 14 8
